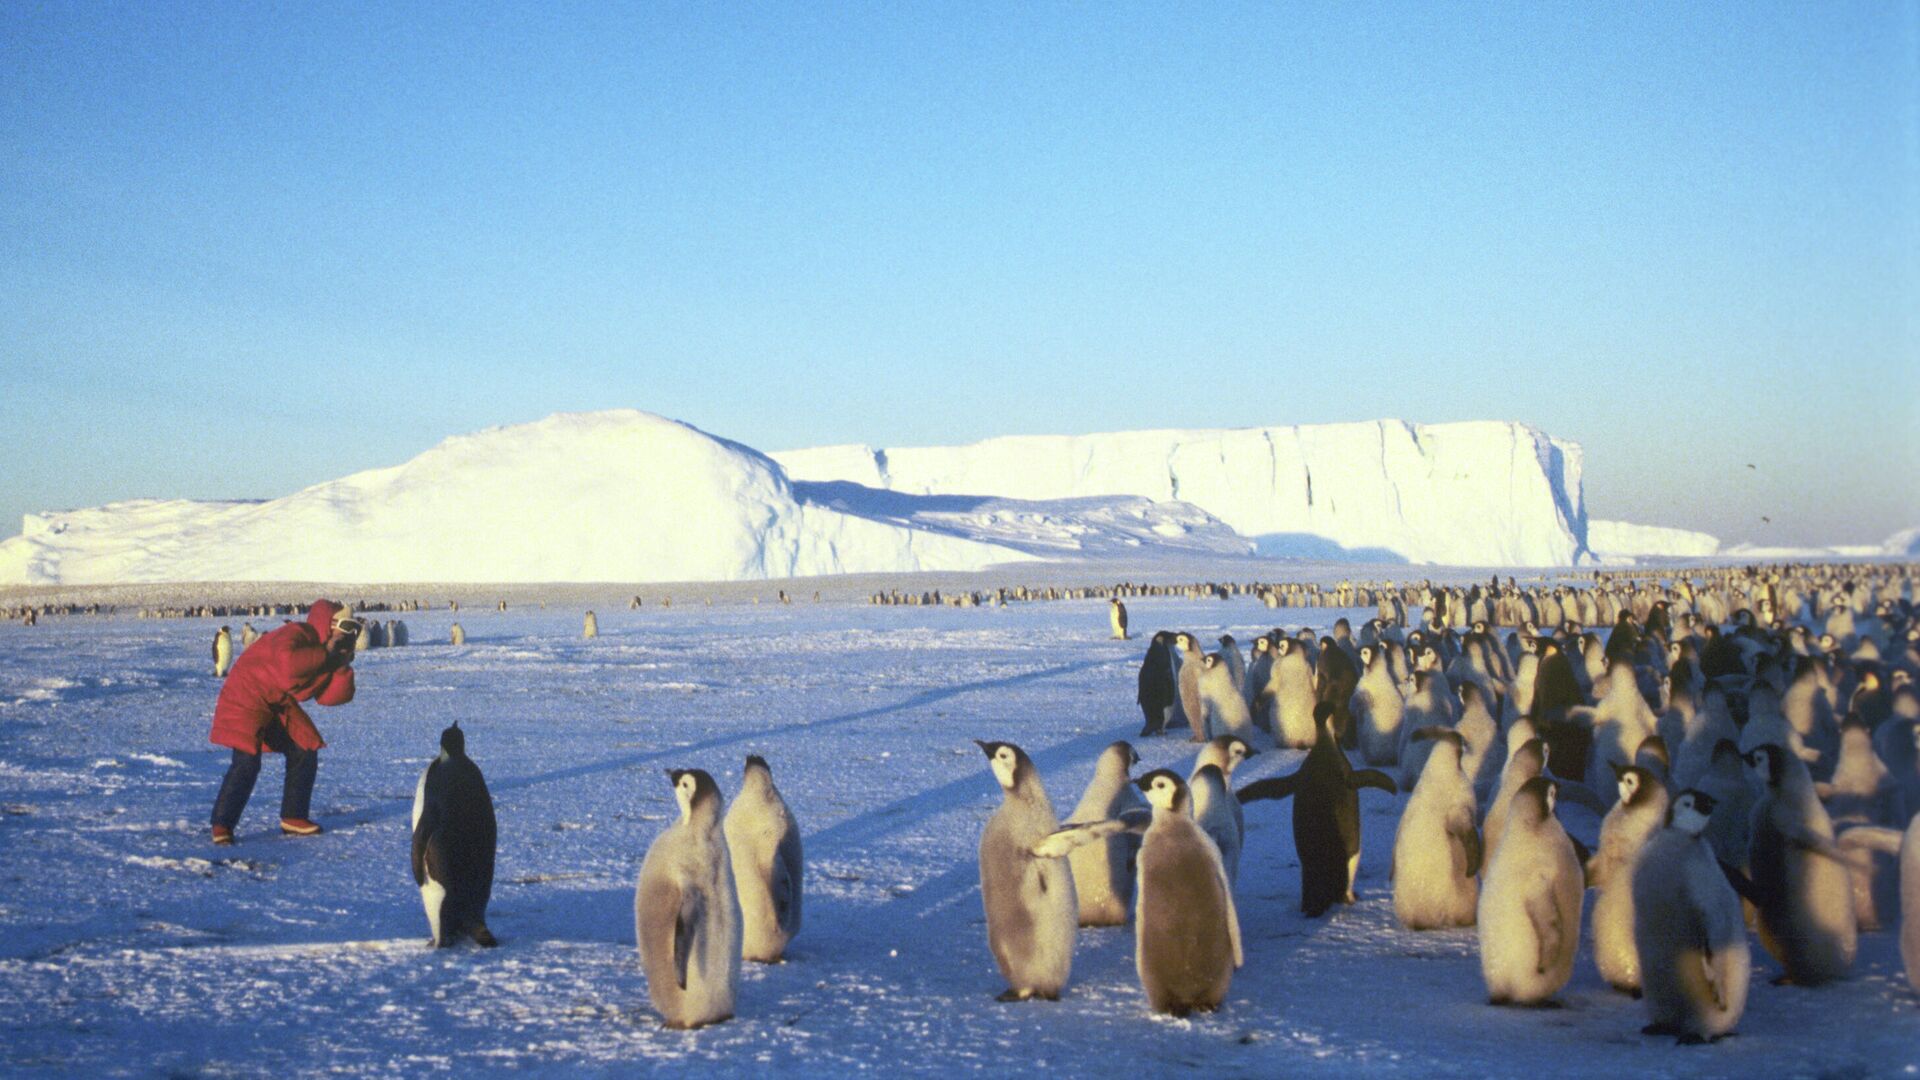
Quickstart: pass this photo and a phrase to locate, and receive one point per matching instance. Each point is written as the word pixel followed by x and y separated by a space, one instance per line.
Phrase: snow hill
pixel 606 496
pixel 1483 493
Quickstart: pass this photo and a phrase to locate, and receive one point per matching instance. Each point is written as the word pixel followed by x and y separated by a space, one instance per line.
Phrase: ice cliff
pixel 1480 493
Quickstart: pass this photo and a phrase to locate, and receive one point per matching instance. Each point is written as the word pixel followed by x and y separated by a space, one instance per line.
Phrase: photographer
pixel 259 710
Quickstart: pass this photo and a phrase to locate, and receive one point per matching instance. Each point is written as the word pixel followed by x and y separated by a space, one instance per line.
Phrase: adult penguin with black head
pixel 454 835
pixel 1326 815
pixel 1157 689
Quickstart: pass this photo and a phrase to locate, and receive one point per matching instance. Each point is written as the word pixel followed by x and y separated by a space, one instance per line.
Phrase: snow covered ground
pixel 130 946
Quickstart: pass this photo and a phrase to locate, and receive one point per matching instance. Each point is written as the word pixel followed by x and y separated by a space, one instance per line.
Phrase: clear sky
pixel 245 248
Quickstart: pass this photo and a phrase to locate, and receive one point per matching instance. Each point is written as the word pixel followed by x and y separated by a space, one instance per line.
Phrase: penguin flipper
pixel 685 925
pixel 786 882
pixel 1233 915
pixel 1274 787
pixel 1811 841
pixel 1460 827
pixel 1079 834
pixel 1742 884
pixel 1872 838
pixel 1373 778
pixel 1544 914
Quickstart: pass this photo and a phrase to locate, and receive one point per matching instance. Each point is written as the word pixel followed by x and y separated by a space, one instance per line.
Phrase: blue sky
pixel 247 248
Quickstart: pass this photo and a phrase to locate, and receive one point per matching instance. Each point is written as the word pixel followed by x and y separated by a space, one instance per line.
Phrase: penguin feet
pixel 1662 1028
pixel 1010 995
pixel 484 937
pixel 222 836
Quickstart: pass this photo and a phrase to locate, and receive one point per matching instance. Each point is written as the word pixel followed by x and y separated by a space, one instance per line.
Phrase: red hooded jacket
pixel 287 666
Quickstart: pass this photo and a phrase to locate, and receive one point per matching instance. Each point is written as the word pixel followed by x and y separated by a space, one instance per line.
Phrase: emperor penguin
pixel 454 835
pixel 590 626
pixel 1530 903
pixel 457 636
pixel 1236 664
pixel 1801 884
pixel 686 912
pixel 1862 791
pixel 1640 812
pixel 1103 872
pixel 248 635
pixel 1192 706
pixel 1689 930
pixel 1436 850
pixel 1032 912
pixel 1258 670
pixel 222 652
pixel 769 872
pixel 1326 816
pixel 1289 693
pixel 1158 692
pixel 1217 813
pixel 1221 701
pixel 1117 618
pixel 1378 708
pixel 1186 929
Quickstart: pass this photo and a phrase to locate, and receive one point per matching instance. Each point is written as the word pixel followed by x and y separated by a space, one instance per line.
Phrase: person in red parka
pixel 259 710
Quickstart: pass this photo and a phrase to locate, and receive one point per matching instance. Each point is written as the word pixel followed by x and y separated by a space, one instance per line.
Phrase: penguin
pixel 1688 930
pixel 248 635
pixel 1617 724
pixel 1289 692
pixel 1103 872
pixel 769 872
pixel 1032 912
pixel 1727 781
pixel 1326 816
pixel 1800 882
pixel 1378 708
pixel 1221 700
pixel 1483 754
pixel 1158 692
pixel 1335 679
pixel 1530 903
pixel 1431 704
pixel 222 652
pixel 1555 691
pixel 1192 706
pixel 686 912
pixel 1217 813
pixel 1640 812
pixel 1186 929
pixel 590 627
pixel 1436 849
pixel 1117 618
pixel 1258 671
pixel 457 636
pixel 1236 664
pixel 1862 791
pixel 454 835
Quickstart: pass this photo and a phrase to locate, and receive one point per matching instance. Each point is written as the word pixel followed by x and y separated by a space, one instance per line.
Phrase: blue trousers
pixel 237 788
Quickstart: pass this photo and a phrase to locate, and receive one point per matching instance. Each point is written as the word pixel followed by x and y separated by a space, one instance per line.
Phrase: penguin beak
pixel 1141 783
pixel 985 747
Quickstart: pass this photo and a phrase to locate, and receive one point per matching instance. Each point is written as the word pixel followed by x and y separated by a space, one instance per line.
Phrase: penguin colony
pixel 1750 735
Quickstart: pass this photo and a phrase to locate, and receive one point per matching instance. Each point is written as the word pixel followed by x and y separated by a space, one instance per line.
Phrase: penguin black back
pixel 1326 815
pixel 454 840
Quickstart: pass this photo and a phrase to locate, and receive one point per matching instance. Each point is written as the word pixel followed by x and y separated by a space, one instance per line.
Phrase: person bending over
pixel 259 710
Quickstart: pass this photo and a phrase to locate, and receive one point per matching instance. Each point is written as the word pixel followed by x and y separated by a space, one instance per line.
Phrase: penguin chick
pixel 1688 929
pixel 1436 850
pixel 1103 873
pixel 1032 912
pixel 686 912
pixel 1637 815
pixel 1529 916
pixel 763 842
pixel 1186 930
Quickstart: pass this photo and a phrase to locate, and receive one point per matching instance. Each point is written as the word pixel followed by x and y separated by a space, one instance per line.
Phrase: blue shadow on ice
pixel 1312 546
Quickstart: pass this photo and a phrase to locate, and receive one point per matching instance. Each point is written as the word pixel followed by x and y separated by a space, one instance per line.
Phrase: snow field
pixel 131 946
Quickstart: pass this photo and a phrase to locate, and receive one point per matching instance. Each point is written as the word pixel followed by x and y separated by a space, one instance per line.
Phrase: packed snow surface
pixel 129 946
pixel 1484 493
pixel 607 496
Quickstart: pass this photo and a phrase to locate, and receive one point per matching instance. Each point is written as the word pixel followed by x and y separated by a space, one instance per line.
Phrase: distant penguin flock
pixel 1749 740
